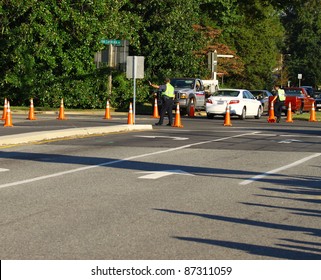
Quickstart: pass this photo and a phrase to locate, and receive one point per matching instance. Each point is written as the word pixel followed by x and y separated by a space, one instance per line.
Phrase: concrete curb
pixel 29 137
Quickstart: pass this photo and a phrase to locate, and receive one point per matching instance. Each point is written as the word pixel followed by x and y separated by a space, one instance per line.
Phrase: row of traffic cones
pixel 31 116
pixel 271 118
pixel 7 117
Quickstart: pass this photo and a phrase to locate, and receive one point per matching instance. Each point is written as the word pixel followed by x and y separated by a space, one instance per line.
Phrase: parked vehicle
pixel 188 90
pixel 317 99
pixel 300 100
pixel 309 90
pixel 242 104
pixel 263 96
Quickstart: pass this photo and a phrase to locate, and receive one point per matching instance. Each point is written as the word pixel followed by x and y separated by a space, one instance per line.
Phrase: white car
pixel 241 102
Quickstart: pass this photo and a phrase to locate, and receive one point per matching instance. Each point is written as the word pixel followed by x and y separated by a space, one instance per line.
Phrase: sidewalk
pixel 77 124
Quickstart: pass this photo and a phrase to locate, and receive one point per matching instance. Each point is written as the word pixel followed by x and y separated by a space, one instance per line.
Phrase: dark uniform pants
pixel 167 106
pixel 278 108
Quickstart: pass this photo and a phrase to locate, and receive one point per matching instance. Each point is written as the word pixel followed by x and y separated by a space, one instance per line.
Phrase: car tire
pixel 210 116
pixel 243 115
pixel 259 113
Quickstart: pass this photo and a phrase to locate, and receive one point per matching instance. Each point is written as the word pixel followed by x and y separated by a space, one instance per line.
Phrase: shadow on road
pixel 267 251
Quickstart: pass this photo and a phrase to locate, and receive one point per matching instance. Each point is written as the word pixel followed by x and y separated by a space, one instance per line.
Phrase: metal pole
pixel 215 66
pixel 110 79
pixel 134 98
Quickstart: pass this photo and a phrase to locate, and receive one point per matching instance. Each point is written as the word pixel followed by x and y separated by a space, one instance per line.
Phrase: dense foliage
pixel 47 47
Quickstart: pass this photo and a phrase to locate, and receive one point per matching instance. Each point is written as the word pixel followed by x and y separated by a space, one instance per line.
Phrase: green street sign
pixel 111 42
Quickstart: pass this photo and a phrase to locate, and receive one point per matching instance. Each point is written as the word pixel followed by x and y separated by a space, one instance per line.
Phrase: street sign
pixel 111 42
pixel 135 67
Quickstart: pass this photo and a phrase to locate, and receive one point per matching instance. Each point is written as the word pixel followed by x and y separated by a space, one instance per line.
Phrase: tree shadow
pixel 256 249
pixel 295 211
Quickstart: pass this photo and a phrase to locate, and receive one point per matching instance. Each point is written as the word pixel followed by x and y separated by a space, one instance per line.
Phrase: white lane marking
pixel 289 141
pixel 169 137
pixel 3 169
pixel 31 180
pixel 159 174
pixel 263 175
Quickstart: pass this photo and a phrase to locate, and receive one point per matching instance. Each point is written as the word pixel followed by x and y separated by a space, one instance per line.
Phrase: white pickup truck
pixel 192 89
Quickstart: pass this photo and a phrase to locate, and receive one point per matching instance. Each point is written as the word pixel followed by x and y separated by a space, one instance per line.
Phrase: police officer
pixel 168 101
pixel 279 99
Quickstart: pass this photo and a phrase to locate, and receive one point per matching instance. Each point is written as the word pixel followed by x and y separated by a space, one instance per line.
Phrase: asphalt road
pixel 204 191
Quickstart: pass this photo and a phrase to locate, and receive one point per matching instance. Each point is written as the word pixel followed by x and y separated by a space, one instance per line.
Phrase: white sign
pixel 135 67
pixel 299 76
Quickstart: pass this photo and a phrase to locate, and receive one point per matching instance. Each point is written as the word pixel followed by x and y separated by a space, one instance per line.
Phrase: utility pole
pixel 212 63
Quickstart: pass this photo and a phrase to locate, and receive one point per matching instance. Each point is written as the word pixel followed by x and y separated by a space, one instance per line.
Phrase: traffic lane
pixel 255 138
pixel 27 162
pixel 112 212
pixel 214 183
pixel 215 139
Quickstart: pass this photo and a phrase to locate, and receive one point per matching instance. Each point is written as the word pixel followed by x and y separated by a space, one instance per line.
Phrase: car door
pixel 199 93
pixel 251 103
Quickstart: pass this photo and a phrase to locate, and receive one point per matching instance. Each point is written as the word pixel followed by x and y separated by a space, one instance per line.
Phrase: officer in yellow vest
pixel 278 100
pixel 167 101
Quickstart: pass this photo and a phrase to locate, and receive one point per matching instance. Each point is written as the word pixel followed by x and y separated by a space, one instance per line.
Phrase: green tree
pixel 167 37
pixel 251 30
pixel 258 38
pixel 302 20
pixel 47 49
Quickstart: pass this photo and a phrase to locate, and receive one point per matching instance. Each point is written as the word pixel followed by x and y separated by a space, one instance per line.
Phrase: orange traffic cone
pixel 107 111
pixel 177 122
pixel 155 113
pixel 191 113
pixel 8 121
pixel 271 118
pixel 5 108
pixel 289 114
pixel 31 115
pixel 227 120
pixel 130 119
pixel 61 111
pixel 312 114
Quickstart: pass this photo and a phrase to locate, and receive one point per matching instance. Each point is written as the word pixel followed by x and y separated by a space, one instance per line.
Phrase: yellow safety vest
pixel 169 91
pixel 281 94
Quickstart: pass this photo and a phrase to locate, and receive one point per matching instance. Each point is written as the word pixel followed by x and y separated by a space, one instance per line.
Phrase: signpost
pixel 300 78
pixel 135 70
pixel 115 55
pixel 212 63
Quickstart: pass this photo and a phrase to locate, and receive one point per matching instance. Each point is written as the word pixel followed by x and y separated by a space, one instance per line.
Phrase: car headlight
pixel 183 95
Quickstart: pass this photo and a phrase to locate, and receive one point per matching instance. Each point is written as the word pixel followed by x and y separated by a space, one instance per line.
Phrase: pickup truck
pixel 186 90
pixel 299 98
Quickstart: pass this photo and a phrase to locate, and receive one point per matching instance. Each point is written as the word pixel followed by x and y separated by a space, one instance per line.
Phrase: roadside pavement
pixel 77 124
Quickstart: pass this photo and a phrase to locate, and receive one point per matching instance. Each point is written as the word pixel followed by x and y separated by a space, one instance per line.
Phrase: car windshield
pixel 227 93
pixel 293 92
pixel 182 83
pixel 309 90
pixel 257 92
